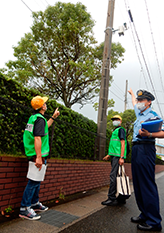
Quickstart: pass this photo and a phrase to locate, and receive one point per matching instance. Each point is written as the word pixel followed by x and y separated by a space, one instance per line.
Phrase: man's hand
pixel 144 133
pixel 106 157
pixel 56 113
pixel 39 163
pixel 121 161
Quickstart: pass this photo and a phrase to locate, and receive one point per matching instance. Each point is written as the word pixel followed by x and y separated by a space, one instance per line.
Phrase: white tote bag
pixel 123 186
pixel 34 173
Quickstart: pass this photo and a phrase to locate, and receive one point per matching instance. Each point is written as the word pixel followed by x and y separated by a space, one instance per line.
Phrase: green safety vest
pixel 28 138
pixel 115 144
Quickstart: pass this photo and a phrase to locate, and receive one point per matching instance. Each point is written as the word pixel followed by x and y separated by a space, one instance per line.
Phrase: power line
pixel 27 6
pixel 119 88
pixel 116 96
pixel 135 44
pixel 43 3
pixel 47 2
pixel 161 50
pixel 130 15
pixel 38 4
pixel 131 19
pixel 154 46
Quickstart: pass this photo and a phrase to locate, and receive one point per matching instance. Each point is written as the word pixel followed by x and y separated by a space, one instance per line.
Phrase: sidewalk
pixel 85 215
pixel 59 217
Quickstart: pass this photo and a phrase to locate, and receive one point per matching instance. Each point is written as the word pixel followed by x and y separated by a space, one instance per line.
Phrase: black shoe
pixel 109 202
pixel 121 202
pixel 146 227
pixel 137 220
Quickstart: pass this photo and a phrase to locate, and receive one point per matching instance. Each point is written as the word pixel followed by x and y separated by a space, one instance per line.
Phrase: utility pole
pixel 103 97
pixel 126 90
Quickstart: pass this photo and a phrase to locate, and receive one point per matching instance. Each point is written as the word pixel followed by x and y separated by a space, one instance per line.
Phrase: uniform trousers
pixel 113 178
pixel 145 188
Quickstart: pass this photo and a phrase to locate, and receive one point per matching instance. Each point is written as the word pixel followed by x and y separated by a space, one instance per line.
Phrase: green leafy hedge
pixel 71 137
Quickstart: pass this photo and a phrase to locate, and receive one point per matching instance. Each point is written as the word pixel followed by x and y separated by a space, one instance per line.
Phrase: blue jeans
pixel 31 193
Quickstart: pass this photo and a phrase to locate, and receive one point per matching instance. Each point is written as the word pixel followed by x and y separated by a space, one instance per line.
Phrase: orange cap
pixel 38 101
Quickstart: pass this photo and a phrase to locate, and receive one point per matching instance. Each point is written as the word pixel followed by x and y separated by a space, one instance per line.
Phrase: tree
pixel 128 118
pixel 117 53
pixel 60 57
pixel 110 104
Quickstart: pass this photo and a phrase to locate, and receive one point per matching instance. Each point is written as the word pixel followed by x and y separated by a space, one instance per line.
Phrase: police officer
pixel 143 166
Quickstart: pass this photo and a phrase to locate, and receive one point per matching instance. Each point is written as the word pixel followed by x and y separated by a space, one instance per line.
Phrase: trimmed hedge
pixel 71 137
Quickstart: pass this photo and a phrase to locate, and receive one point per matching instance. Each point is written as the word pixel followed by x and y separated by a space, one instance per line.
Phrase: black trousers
pixel 145 188
pixel 113 175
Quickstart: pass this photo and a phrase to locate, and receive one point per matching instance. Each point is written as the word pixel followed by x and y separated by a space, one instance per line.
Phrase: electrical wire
pixel 27 6
pixel 118 88
pixel 147 69
pixel 36 3
pixel 45 5
pixel 135 44
pixel 155 50
pixel 40 7
pixel 47 2
pixel 116 96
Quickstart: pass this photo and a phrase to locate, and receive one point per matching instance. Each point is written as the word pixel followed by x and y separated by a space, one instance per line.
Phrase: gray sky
pixel 148 17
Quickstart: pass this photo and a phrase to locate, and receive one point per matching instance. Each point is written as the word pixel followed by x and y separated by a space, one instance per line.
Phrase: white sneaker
pixel 29 214
pixel 39 207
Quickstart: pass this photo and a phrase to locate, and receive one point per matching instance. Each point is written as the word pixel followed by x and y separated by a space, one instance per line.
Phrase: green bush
pixel 13 117
pixel 159 161
pixel 72 132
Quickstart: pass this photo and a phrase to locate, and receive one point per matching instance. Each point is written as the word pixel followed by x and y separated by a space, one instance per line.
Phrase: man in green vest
pixel 36 144
pixel 117 152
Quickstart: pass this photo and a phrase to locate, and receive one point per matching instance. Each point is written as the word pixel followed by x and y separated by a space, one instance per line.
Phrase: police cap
pixel 142 94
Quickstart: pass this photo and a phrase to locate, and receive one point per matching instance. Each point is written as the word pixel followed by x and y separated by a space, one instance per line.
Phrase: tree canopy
pixel 60 56
pixel 111 103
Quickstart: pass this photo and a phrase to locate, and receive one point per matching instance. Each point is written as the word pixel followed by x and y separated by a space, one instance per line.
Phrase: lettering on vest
pixel 29 127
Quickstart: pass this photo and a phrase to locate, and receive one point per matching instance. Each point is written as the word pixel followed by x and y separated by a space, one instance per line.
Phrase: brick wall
pixel 70 176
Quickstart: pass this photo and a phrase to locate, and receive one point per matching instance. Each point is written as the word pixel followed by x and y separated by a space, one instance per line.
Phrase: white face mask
pixel 45 106
pixel 141 106
pixel 116 123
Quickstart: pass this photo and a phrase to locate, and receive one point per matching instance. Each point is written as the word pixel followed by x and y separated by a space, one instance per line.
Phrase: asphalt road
pixel 112 219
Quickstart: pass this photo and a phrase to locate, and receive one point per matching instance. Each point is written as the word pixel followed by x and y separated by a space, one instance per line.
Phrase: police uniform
pixel 143 167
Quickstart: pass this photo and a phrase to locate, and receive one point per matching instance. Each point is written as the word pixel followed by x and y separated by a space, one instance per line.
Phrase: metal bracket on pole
pixel 108 28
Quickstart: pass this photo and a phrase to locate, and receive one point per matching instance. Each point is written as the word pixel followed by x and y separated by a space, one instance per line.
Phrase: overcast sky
pixel 148 18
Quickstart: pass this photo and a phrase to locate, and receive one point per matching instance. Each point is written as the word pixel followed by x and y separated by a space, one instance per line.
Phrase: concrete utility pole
pixel 103 97
pixel 126 91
